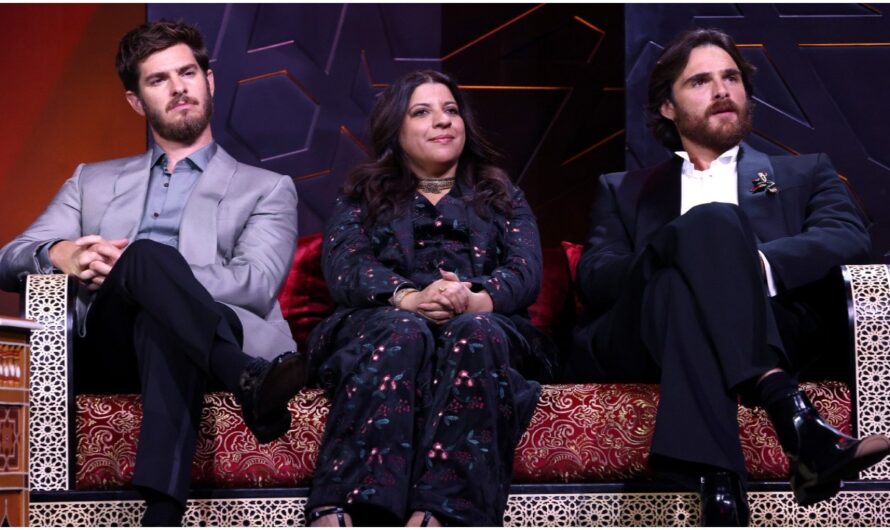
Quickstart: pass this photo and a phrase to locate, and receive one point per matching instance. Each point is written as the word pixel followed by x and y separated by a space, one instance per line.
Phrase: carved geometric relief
pixel 46 302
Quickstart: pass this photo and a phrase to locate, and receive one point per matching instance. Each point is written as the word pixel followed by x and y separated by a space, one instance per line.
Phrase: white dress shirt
pixel 717 183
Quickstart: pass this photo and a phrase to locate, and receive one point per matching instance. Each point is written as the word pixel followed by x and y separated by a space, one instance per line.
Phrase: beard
pixel 182 131
pixel 720 137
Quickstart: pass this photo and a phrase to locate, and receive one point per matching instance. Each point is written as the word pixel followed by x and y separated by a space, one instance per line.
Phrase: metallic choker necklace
pixel 434 185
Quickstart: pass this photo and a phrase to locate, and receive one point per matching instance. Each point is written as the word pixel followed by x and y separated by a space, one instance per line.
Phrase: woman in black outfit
pixel 433 256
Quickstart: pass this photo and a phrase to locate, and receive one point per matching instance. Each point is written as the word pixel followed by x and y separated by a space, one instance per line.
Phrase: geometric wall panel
pixel 821 86
pixel 863 105
pixel 295 83
pixel 273 116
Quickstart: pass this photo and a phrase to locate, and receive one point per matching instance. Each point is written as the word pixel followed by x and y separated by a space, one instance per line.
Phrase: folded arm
pixel 261 256
pixel 833 233
pixel 514 284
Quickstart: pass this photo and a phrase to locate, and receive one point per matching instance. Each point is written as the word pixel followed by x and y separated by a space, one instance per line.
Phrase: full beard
pixel 184 131
pixel 721 137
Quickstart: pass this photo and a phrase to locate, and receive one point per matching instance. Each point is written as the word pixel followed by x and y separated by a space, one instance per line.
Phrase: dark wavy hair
pixel 671 64
pixel 153 37
pixel 385 184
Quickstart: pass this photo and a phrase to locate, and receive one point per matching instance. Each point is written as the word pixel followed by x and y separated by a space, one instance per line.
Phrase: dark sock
pixel 774 387
pixel 227 363
pixel 161 510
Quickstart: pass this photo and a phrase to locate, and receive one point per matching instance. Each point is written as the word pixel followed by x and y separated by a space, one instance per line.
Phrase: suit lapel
pixel 659 201
pixel 762 208
pixel 124 213
pixel 198 232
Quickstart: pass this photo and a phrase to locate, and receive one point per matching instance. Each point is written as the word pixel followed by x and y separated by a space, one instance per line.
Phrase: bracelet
pixel 396 298
pixel 400 295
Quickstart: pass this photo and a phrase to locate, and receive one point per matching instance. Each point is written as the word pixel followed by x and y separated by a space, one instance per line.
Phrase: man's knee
pixel 715 217
pixel 147 249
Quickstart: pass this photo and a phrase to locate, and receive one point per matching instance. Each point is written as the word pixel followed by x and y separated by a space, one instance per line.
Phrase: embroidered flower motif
pixel 762 183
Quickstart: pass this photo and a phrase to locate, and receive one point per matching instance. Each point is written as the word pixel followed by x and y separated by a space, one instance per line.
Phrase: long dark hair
pixel 385 185
pixel 671 64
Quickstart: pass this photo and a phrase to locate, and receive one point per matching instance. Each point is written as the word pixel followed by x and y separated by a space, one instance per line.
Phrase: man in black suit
pixel 700 274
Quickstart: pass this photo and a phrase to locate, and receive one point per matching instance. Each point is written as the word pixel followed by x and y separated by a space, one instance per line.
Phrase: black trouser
pixel 696 317
pixel 152 318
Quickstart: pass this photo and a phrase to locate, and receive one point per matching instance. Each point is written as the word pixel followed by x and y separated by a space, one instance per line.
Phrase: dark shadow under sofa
pixel 582 461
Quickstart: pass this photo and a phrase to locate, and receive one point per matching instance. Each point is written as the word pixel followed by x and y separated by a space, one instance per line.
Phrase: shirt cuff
pixel 768 272
pixel 41 258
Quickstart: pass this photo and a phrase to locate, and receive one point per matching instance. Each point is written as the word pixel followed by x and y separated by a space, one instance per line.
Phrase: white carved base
pixel 854 508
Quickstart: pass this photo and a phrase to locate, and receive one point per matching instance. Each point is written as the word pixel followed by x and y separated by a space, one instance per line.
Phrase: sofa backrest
pixel 305 299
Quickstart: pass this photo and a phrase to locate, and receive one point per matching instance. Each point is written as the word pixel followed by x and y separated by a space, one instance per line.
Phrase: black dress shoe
pixel 724 501
pixel 266 389
pixel 820 455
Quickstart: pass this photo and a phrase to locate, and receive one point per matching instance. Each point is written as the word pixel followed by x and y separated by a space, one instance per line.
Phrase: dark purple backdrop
pixel 295 83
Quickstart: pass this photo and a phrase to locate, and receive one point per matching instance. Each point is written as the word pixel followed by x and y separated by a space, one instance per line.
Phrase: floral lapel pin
pixel 762 183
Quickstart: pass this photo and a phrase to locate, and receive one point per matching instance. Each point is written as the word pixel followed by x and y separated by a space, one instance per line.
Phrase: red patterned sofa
pixel 581 462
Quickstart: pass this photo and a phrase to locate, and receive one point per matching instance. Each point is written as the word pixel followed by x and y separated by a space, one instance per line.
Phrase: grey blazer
pixel 238 234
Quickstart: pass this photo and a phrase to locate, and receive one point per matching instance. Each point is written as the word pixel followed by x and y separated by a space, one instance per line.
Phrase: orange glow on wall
pixel 62 103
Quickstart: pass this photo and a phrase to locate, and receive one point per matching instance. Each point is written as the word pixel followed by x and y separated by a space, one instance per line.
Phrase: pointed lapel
pixel 659 201
pixel 197 232
pixel 124 213
pixel 763 209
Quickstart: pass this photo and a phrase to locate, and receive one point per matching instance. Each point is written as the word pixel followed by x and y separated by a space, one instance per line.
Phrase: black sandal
pixel 315 515
pixel 427 516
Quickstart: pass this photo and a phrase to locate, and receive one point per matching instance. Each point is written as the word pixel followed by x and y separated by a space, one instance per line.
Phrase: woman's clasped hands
pixel 443 299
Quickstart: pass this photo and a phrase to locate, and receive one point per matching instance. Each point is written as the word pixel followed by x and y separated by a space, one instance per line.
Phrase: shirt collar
pixel 197 160
pixel 727 157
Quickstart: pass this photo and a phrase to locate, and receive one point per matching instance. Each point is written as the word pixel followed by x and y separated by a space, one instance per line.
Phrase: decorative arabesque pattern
pixel 870 293
pixel 524 510
pixel 45 302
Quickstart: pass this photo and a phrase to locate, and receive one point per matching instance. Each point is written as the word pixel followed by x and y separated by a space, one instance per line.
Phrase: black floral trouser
pixel 423 417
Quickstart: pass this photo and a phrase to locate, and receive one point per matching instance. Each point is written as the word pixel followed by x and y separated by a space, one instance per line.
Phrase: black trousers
pixel 695 317
pixel 152 325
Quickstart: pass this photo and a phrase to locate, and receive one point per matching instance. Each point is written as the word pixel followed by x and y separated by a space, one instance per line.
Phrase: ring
pixel 441 289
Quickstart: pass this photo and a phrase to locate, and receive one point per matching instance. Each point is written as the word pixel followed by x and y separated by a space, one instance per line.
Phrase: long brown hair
pixel 385 185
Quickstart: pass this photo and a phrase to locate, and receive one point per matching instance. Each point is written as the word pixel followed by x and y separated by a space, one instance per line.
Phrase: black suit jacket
pixel 811 225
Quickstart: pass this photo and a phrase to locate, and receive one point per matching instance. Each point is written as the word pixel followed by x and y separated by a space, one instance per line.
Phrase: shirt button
pixel 155 215
pixel 166 184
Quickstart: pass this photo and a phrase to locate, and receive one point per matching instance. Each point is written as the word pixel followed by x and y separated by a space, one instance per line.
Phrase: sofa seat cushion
pixel 579 433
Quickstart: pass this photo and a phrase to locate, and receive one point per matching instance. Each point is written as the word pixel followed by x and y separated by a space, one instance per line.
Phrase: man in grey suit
pixel 180 253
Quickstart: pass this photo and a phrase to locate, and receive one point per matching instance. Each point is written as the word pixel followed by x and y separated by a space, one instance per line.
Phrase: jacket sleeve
pixel 354 275
pixel 261 256
pixel 60 220
pixel 833 232
pixel 608 252
pixel 515 283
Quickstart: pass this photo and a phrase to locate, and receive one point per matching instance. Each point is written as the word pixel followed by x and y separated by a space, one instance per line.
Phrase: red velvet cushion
pixel 573 253
pixel 579 433
pixel 549 307
pixel 305 300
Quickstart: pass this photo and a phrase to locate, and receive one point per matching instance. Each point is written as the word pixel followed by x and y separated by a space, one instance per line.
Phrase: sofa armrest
pixel 49 299
pixel 868 304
